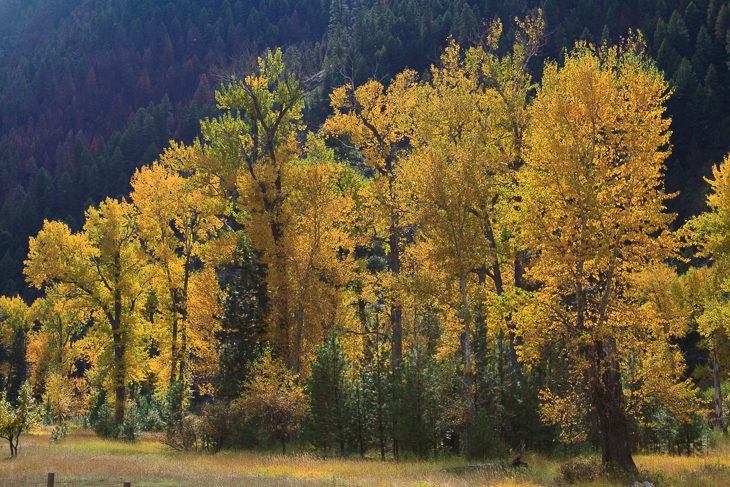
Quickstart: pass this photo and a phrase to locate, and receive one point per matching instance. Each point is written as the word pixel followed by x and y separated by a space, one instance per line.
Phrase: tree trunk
pixel 299 328
pixel 396 310
pixel 13 445
pixel 173 347
pixel 608 401
pixel 496 275
pixel 120 389
pixel 468 376
pixel 515 341
pixel 720 420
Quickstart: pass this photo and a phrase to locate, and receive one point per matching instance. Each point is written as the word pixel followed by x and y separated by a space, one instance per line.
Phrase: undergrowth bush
pixel 131 427
pixel 59 433
pixel 580 471
pixel 102 421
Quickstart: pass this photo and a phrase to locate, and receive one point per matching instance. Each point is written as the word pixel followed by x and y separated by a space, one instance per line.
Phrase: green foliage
pixel 59 433
pixel 149 413
pixel 664 432
pixel 331 396
pixel 18 418
pixel 102 421
pixel 242 324
pixel 175 412
pixel 131 427
pixel 421 423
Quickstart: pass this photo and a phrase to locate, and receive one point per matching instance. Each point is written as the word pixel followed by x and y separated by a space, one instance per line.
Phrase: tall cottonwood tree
pixel 175 221
pixel 708 286
pixel 105 267
pixel 318 236
pixel 592 212
pixel 507 83
pixel 453 169
pixel 244 162
pixel 467 137
pixel 378 121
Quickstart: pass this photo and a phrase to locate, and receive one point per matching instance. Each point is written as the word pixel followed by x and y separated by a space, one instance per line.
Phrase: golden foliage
pixel 592 210
pixel 274 397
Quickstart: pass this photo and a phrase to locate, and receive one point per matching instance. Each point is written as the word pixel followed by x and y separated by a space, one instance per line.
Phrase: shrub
pixel 59 433
pixel 103 422
pixel 19 418
pixel 131 427
pixel 580 471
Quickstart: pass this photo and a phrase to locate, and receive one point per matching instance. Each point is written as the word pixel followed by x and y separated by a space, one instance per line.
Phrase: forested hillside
pixel 91 90
pixel 245 221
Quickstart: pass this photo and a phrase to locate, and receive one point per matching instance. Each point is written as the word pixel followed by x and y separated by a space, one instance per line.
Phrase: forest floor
pixel 82 459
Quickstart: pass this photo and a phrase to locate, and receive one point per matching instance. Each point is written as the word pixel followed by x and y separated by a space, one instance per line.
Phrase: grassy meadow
pixel 82 459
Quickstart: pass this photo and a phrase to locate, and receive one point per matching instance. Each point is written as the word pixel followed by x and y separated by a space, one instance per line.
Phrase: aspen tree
pixel 106 268
pixel 378 121
pixel 175 221
pixel 592 212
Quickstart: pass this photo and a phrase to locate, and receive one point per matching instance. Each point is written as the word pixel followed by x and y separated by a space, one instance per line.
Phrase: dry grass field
pixel 84 460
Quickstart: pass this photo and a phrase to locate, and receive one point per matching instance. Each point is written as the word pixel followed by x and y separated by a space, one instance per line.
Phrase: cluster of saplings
pixel 362 409
pixel 487 269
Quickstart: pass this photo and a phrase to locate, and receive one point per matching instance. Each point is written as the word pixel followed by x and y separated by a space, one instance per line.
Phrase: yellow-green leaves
pixel 592 211
pixel 105 268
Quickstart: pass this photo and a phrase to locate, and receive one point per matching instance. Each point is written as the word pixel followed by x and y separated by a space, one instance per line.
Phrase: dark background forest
pixel 91 90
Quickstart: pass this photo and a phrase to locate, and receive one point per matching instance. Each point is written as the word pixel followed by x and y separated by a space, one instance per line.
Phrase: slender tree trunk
pixel 173 348
pixel 281 312
pixel 182 312
pixel 396 323
pixel 515 341
pixel 496 275
pixel 396 309
pixel 120 390
pixel 362 316
pixel 468 376
pixel 297 345
pixel 720 421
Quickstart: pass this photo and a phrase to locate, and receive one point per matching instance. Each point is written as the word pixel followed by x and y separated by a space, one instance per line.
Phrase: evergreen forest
pixel 390 228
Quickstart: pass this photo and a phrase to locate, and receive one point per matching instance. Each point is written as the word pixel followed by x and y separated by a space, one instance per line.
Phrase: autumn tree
pixel 175 221
pixel 467 137
pixel 16 419
pixel 54 350
pixel 317 238
pixel 707 286
pixel 592 212
pixel 449 170
pixel 16 320
pixel 507 87
pixel 105 267
pixel 244 163
pixel 378 121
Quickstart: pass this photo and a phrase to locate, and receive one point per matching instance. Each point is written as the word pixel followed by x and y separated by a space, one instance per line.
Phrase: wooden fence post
pixel 51 479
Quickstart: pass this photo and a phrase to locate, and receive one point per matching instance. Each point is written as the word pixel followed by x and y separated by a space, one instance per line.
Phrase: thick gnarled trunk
pixel 607 398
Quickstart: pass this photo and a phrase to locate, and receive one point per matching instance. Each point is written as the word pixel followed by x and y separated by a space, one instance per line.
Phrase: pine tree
pixel 242 325
pixel 330 397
